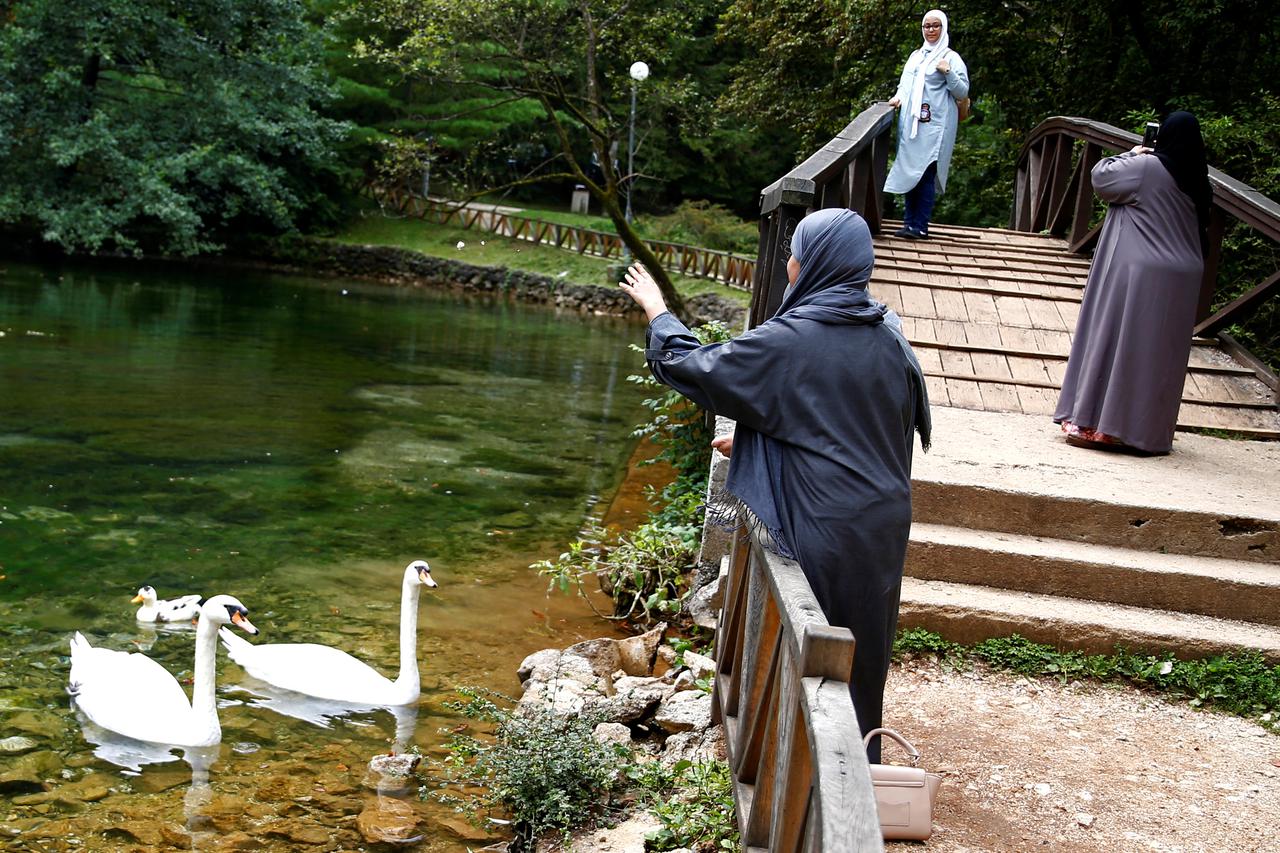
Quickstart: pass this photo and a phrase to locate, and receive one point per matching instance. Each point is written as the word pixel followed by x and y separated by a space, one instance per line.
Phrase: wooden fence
pixel 800 773
pixel 1052 192
pixel 736 271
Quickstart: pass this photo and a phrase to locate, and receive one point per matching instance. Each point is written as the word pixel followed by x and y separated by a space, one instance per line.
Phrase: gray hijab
pixel 836 258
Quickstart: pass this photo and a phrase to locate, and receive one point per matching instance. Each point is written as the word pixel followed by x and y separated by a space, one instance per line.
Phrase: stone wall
pixel 404 266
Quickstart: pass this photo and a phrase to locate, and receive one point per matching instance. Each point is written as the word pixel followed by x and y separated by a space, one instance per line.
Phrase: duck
pixel 132 695
pixel 165 610
pixel 328 673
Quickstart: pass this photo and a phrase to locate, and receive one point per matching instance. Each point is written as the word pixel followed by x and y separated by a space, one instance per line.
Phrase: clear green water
pixel 294 443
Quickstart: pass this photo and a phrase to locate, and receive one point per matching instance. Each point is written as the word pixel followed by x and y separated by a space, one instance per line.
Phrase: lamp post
pixel 639 72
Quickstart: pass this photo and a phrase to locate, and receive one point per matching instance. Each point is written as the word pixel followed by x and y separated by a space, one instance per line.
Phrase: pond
pixel 294 443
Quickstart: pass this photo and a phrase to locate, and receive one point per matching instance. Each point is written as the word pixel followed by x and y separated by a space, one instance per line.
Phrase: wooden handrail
pixel 801 781
pixel 848 171
pixel 1052 192
pixel 736 271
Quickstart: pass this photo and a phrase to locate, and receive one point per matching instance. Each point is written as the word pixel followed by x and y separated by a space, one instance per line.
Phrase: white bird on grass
pixel 165 610
pixel 330 673
pixel 132 695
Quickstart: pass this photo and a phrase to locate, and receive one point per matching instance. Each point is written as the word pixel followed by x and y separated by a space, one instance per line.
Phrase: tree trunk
pixel 641 252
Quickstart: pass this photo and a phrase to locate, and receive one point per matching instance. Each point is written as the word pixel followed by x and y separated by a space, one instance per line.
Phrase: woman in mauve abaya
pixel 827 396
pixel 1128 361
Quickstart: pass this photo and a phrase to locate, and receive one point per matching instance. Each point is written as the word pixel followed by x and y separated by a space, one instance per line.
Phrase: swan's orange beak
pixel 241 621
pixel 424 575
pixel 137 599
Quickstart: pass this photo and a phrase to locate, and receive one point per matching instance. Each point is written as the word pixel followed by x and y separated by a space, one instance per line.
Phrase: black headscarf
pixel 1180 148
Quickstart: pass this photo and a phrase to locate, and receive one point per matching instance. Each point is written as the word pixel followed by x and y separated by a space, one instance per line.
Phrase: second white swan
pixel 330 673
pixel 132 695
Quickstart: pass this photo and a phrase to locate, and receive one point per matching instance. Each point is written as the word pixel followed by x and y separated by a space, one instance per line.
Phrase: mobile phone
pixel 1149 135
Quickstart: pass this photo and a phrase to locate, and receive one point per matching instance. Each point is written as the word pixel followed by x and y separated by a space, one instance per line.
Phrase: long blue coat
pixel 935 139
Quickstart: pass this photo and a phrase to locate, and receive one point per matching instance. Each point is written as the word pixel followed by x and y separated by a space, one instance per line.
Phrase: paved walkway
pixel 1027 454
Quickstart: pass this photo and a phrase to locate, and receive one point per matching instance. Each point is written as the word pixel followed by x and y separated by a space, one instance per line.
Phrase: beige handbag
pixel 904 795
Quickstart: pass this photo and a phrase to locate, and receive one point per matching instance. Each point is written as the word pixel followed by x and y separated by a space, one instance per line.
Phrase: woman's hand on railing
pixel 641 287
pixel 724 444
pixel 895 102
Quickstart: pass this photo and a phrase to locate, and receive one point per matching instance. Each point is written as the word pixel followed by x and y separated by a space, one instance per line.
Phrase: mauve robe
pixel 1129 355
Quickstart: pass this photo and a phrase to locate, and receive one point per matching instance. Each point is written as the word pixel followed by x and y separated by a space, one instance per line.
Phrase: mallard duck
pixel 161 610
pixel 132 695
pixel 330 673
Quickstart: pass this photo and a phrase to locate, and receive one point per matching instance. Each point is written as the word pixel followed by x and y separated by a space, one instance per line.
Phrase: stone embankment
pixel 405 266
pixel 646 698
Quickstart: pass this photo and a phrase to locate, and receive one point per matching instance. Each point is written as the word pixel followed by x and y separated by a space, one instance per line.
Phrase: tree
pixel 146 124
pixel 569 57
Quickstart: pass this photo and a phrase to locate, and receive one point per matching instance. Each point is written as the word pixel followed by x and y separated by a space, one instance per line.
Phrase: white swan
pixel 328 673
pixel 132 695
pixel 165 610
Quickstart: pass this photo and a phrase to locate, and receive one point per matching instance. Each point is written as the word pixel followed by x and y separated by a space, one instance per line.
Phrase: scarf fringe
pixel 726 510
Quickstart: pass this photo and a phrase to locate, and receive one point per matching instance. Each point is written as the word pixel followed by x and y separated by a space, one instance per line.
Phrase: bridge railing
pixel 801 781
pixel 736 271
pixel 1052 192
pixel 848 171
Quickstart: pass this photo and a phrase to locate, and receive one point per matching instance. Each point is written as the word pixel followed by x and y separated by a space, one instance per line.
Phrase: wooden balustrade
pixel 737 271
pixel 848 171
pixel 800 773
pixel 1052 192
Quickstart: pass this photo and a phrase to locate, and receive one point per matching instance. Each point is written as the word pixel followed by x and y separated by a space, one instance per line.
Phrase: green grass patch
pixel 1241 684
pixel 485 249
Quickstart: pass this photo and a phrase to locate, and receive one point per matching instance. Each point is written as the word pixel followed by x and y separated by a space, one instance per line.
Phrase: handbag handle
pixel 912 752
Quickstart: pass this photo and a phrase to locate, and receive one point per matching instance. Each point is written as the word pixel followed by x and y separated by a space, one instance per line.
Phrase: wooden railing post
pixel 801 781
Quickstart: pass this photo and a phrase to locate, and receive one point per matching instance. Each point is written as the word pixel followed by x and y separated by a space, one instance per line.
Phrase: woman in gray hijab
pixel 827 395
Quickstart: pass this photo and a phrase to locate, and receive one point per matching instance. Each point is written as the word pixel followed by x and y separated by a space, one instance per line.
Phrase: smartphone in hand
pixel 1149 135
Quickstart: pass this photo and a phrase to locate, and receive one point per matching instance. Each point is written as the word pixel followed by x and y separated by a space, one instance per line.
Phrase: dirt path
pixel 1037 765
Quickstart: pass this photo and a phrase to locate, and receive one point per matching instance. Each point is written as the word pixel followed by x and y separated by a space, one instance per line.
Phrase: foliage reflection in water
pixel 294 443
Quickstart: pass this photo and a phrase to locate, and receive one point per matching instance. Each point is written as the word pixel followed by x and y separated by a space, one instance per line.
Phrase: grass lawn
pixel 485 249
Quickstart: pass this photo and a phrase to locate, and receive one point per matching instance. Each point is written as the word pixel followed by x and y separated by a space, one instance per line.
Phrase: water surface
pixel 294 443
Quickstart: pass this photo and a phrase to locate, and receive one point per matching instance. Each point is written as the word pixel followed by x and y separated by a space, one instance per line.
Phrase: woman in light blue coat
pixel 933 78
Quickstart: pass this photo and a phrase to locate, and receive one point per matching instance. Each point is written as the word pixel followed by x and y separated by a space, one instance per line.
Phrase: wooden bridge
pixel 991 314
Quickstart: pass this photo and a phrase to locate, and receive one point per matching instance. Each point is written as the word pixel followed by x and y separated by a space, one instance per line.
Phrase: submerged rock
pixel 17 744
pixel 28 773
pixel 387 820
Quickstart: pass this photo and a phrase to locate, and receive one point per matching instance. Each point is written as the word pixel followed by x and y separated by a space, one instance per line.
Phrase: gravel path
pixel 1038 765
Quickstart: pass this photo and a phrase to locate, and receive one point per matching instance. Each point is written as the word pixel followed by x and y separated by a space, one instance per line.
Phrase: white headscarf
pixel 929 57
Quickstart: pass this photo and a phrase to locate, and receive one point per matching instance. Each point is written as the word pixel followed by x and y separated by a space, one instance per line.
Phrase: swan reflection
pixel 325 712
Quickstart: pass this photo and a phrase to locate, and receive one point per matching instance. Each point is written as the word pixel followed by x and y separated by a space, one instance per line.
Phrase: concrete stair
pixel 1170 554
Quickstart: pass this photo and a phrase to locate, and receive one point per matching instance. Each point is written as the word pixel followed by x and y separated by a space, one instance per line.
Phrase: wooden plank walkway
pixel 991 314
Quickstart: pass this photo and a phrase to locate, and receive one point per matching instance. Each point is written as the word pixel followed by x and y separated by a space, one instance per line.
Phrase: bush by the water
pixel 542 771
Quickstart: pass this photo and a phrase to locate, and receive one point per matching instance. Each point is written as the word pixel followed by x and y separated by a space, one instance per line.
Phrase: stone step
pixel 967 613
pixel 1121 521
pixel 1209 586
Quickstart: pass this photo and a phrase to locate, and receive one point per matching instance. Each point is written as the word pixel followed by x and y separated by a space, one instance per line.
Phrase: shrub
pixel 693 802
pixel 548 773
pixel 643 571
pixel 704 224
